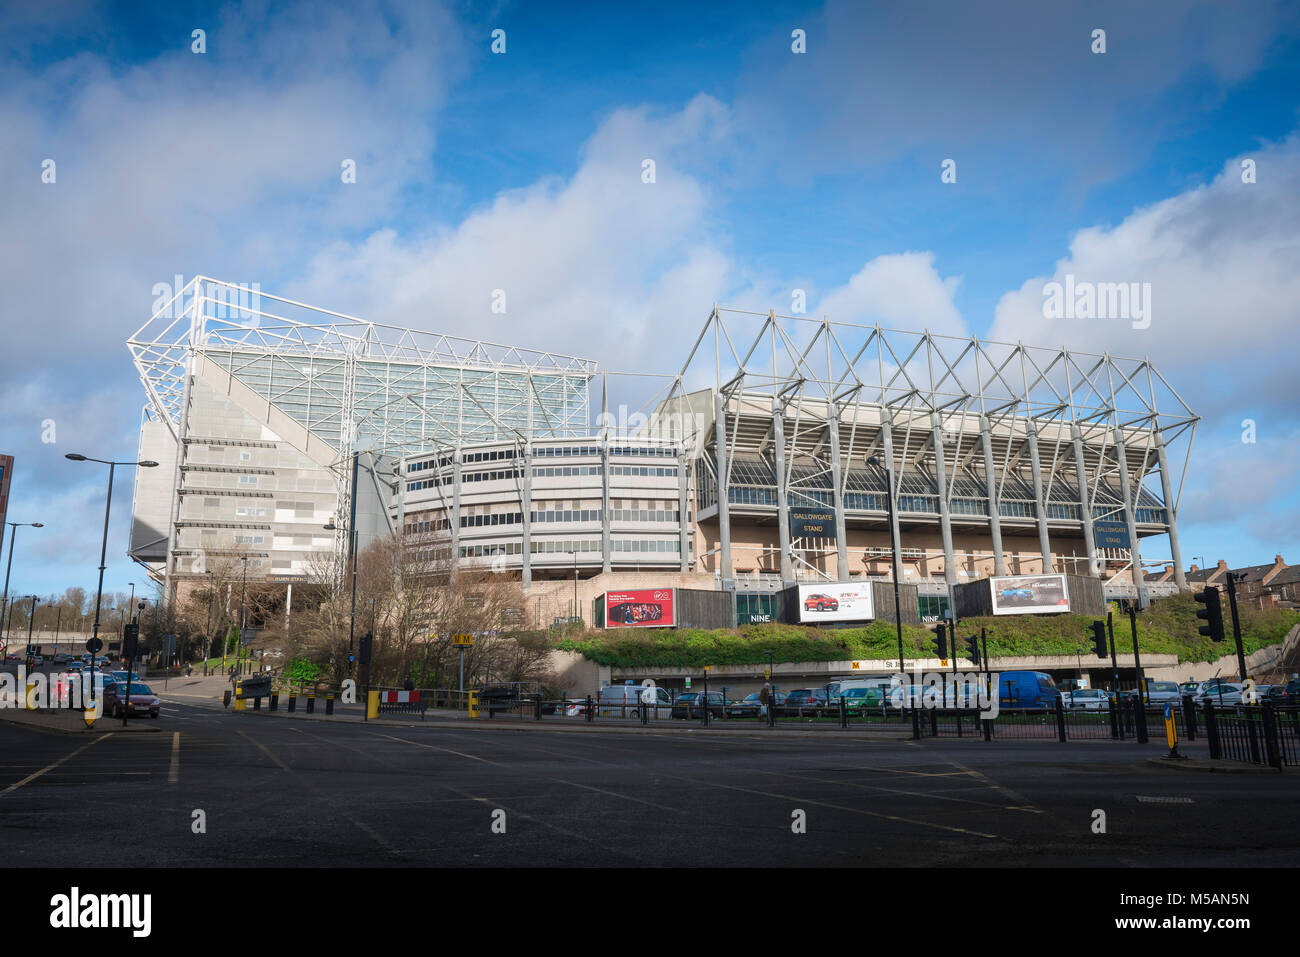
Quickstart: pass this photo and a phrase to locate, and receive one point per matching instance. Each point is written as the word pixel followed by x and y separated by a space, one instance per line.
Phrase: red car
pixel 143 700
pixel 820 603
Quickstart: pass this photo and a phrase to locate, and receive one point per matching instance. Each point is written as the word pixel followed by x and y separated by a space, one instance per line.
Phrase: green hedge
pixel 1168 627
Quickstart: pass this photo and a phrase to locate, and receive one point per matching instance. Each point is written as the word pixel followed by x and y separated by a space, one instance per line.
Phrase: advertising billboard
pixel 1030 595
pixel 643 608
pixel 836 601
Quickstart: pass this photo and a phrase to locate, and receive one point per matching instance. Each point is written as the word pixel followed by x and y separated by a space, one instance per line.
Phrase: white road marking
pixel 36 774
pixel 263 748
pixel 174 774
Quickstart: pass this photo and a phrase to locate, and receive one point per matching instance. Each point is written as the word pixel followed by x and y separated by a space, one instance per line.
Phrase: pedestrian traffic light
pixel 973 649
pixel 363 648
pixel 941 641
pixel 1099 638
pixel 1212 613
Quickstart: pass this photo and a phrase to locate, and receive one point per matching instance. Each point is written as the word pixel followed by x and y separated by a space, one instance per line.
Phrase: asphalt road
pixel 285 792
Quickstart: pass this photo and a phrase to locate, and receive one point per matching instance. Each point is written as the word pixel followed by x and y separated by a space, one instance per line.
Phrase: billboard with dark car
pixel 644 608
pixel 1030 595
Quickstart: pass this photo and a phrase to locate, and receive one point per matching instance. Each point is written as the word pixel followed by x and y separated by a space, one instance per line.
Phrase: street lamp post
pixel 14 526
pixel 352 557
pixel 103 551
pixel 30 619
pixel 897 555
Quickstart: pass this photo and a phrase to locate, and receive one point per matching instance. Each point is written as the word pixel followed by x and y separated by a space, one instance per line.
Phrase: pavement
pixel 215 788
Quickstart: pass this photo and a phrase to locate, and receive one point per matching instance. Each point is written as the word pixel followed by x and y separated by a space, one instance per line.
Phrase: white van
pixel 621 701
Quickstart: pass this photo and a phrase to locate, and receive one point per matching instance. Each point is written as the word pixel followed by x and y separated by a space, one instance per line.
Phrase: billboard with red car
pixel 643 608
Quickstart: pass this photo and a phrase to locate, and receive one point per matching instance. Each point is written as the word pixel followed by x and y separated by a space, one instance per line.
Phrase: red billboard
pixel 645 608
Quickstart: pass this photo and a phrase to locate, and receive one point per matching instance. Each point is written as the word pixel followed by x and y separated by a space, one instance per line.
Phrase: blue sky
pixel 776 171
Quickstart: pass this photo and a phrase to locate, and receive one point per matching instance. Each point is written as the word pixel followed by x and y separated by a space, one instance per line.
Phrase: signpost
pixel 462 641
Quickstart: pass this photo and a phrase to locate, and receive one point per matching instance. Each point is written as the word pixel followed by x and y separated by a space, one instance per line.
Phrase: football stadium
pixel 785 455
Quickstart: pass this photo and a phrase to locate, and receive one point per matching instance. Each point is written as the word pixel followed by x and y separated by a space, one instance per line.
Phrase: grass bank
pixel 1168 627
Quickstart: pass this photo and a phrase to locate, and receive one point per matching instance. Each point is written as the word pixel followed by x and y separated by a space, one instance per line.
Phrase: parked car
pixel 576 708
pixel 1026 689
pixel 860 699
pixel 750 705
pixel 142 701
pixel 820 603
pixel 1219 692
pixel 1161 693
pixel 1086 699
pixel 691 704
pixel 1188 687
pixel 13 659
pixel 623 701
pixel 806 701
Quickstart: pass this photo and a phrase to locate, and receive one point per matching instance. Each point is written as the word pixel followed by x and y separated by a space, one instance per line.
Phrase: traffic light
pixel 1099 638
pixel 973 649
pixel 1212 613
pixel 130 641
pixel 941 641
pixel 363 648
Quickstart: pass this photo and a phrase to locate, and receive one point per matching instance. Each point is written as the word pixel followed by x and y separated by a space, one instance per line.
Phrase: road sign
pixel 688 681
pixel 95 645
pixel 462 641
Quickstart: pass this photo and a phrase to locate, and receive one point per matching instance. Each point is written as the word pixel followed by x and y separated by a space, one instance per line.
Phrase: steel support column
pixel 1085 506
pixel 1135 554
pixel 945 517
pixel 1171 519
pixel 1040 505
pixel 782 492
pixel 725 571
pixel 891 472
pixel 991 489
pixel 837 496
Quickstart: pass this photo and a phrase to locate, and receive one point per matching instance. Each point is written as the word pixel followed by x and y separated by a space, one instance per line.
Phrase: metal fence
pixel 1266 734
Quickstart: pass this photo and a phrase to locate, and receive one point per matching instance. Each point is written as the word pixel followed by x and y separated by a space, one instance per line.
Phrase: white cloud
pixel 1223 261
pixel 603 265
pixel 898 291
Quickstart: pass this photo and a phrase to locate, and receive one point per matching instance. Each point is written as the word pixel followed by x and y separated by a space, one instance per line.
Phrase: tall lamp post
pixel 897 555
pixel 103 550
pixel 352 556
pixel 14 526
pixel 30 619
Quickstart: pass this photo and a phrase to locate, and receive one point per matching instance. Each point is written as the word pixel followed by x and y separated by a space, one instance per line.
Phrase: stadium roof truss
pixel 942 397
pixel 353 383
